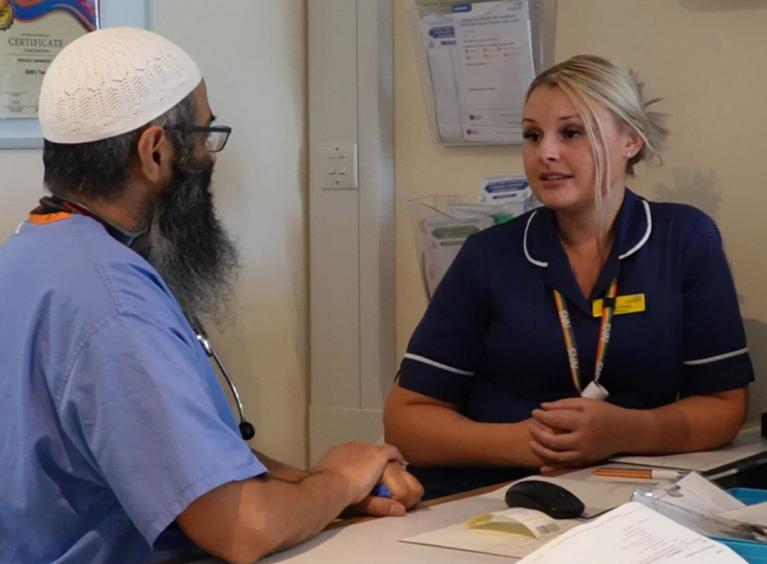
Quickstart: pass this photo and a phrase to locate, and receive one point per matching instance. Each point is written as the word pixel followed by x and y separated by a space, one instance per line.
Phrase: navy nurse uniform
pixel 491 342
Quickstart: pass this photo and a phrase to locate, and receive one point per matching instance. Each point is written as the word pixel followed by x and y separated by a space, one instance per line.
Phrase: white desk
pixel 375 542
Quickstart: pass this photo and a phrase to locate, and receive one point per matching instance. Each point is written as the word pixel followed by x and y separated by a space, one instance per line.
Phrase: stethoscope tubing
pixel 246 428
pixel 211 352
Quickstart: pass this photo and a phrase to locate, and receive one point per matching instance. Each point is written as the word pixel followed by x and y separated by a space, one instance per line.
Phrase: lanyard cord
pixel 49 204
pixel 608 308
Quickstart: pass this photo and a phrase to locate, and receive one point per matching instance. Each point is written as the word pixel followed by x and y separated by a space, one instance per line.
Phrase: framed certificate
pixel 32 32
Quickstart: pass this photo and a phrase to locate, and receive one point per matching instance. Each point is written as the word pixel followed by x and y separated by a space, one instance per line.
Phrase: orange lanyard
pixel 608 308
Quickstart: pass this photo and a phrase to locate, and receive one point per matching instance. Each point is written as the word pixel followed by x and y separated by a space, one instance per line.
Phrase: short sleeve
pixel 715 353
pixel 143 406
pixel 446 347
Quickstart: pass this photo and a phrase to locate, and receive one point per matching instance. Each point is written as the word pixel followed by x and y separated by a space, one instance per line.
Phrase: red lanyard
pixel 608 308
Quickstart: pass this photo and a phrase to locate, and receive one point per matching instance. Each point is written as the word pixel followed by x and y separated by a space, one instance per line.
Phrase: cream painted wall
pixel 21 182
pixel 253 55
pixel 704 57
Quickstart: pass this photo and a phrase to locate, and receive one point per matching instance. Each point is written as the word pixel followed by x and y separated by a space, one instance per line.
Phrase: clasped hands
pixel 576 432
pixel 405 489
pixel 362 466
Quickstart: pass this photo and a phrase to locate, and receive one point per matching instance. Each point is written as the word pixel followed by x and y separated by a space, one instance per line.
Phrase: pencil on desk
pixel 638 473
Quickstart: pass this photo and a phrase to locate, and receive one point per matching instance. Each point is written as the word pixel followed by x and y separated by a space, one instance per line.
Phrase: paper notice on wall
pixel 479 63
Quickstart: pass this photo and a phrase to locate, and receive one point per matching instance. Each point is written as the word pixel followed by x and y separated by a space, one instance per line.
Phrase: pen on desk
pixel 381 490
pixel 638 473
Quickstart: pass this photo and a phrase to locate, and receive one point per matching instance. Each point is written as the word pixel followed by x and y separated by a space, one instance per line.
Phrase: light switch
pixel 339 166
pixel 329 167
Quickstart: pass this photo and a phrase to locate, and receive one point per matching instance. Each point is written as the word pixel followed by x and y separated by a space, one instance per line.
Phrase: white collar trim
pixel 524 243
pixel 646 235
pixel 628 253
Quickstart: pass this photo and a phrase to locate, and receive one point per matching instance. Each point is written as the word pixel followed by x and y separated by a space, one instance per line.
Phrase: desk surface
pixel 375 541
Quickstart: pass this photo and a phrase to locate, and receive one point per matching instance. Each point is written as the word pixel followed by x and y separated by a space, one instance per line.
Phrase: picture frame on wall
pixel 24 132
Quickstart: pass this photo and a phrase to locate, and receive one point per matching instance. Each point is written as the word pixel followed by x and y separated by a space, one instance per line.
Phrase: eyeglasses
pixel 216 138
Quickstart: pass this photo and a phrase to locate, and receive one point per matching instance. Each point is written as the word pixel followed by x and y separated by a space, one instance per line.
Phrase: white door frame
pixel 351 231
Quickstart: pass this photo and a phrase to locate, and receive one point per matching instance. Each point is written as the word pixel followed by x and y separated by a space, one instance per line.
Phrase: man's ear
pixel 154 152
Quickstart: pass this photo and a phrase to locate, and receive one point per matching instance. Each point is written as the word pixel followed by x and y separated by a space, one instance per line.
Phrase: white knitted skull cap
pixel 112 81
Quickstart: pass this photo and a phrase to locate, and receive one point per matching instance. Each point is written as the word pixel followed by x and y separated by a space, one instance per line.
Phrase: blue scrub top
pixel 491 342
pixel 112 418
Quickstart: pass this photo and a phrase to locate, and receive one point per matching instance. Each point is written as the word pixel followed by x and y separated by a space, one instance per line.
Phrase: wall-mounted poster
pixel 477 62
pixel 32 32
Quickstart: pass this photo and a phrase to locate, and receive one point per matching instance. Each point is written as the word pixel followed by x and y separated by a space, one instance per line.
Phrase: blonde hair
pixel 587 78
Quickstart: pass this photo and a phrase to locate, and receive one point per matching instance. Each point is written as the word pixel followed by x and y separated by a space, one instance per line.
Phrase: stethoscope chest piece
pixel 247 430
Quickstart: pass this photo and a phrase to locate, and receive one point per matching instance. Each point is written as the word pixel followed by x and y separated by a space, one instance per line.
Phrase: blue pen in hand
pixel 381 490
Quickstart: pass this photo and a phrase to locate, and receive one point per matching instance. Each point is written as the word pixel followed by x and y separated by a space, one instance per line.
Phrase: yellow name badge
pixel 631 303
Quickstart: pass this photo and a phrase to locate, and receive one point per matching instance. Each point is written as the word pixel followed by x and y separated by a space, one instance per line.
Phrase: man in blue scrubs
pixel 118 444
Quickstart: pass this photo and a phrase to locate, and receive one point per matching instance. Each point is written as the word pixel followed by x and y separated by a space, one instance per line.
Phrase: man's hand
pixel 243 520
pixel 577 431
pixel 361 465
pixel 280 470
pixel 404 487
pixel 406 492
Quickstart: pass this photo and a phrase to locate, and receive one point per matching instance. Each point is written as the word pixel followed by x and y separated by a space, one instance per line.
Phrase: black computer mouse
pixel 555 501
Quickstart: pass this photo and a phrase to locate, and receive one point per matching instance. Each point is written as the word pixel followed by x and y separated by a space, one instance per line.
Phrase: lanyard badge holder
pixel 594 390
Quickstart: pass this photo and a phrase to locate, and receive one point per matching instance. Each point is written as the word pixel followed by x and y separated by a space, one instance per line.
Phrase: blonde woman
pixel 601 323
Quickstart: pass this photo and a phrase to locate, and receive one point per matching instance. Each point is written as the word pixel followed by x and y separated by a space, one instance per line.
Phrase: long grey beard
pixel 188 246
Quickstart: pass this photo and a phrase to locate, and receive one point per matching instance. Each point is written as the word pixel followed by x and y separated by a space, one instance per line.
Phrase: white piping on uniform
pixel 646 235
pixel 19 227
pixel 630 252
pixel 524 243
pixel 436 364
pixel 716 358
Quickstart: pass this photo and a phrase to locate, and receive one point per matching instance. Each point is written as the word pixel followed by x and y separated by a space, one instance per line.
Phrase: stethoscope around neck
pixel 60 203
pixel 247 431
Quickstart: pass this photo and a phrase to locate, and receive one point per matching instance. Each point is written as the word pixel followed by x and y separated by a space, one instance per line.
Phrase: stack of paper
pixel 755 515
pixel 704 507
pixel 671 524
pixel 632 534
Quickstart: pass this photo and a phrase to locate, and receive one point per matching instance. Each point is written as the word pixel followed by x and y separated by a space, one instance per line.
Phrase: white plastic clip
pixel 595 391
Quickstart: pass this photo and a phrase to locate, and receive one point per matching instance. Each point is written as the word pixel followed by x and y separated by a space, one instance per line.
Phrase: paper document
pixel 748 445
pixel 750 514
pixel 479 62
pixel 697 494
pixel 516 520
pixel 700 505
pixel 514 532
pixel 632 534
pixel 442 238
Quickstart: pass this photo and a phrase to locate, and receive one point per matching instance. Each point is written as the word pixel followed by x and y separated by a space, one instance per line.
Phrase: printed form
pixel 632 534
pixel 480 64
